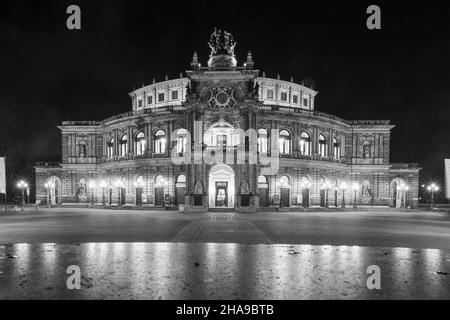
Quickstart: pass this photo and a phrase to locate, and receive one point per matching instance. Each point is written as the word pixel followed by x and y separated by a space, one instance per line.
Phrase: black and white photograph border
pixel 224 151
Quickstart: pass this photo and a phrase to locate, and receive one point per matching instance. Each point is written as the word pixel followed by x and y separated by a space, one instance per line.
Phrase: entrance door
pixel 263 197
pixel 221 194
pixel 335 198
pixel 305 198
pixel 122 196
pixel 180 195
pixel 284 201
pixel 159 196
pixel 322 197
pixel 110 196
pixel 139 192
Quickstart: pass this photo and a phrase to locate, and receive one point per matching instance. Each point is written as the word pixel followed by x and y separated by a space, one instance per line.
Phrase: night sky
pixel 49 74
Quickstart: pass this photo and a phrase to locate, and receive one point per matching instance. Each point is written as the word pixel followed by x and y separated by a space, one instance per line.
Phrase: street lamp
pixel 49 185
pixel 22 185
pixel 343 188
pixel 139 190
pixel 103 186
pixel 432 188
pixel 119 185
pixel 327 188
pixel 404 189
pixel 355 188
pixel 91 190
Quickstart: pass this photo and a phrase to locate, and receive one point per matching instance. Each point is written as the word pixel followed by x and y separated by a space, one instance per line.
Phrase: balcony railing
pixel 48 164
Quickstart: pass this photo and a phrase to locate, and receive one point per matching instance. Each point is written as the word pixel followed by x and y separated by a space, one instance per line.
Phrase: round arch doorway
pixel 221 187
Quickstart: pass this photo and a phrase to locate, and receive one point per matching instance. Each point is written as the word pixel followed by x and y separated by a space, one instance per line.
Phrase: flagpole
pixel 6 189
pixel 6 185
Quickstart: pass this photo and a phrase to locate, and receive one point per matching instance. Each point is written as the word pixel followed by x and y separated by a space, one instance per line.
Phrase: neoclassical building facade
pixel 225 136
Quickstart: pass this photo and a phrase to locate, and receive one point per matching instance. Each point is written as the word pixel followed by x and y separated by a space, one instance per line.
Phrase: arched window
pixel 336 149
pixel 305 183
pixel 181 178
pixel 284 182
pixel 160 141
pixel 82 150
pixel 305 144
pixel 123 146
pixel 160 181
pixel 110 148
pixel 140 143
pixel 366 149
pixel 323 150
pixel 139 182
pixel 285 142
pixel 181 140
pixel 262 140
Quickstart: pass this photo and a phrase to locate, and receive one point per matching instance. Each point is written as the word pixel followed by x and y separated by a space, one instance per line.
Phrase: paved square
pixel 131 254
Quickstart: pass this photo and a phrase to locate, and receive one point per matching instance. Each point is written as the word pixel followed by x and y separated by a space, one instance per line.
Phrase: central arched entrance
pixel 221 187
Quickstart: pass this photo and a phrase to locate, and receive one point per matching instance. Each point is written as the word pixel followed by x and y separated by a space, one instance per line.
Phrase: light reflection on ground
pixel 221 271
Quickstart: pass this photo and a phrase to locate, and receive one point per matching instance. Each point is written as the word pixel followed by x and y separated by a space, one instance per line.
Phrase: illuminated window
pixel 262 140
pixel 323 148
pixel 336 149
pixel 285 142
pixel 181 140
pixel 140 143
pixel 110 148
pixel 160 142
pixel 366 149
pixel 123 146
pixel 269 94
pixel 305 144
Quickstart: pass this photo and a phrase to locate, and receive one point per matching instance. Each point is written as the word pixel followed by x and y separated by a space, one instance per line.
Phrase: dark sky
pixel 49 74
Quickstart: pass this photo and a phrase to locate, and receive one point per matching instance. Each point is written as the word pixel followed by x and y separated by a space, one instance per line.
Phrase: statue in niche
pixel 256 90
pixel 188 90
pixel 198 189
pixel 244 187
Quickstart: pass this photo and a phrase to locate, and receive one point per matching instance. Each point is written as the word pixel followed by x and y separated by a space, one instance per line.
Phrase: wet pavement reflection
pixel 221 271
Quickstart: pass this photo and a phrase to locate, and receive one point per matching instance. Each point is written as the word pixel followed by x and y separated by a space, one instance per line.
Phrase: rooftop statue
pixel 221 42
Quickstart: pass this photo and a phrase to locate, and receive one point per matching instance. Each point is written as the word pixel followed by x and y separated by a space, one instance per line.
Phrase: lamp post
pixel 91 190
pixel 49 185
pixel 404 189
pixel 355 188
pixel 432 188
pixel 139 188
pixel 327 189
pixel 343 188
pixel 119 185
pixel 22 185
pixel 103 187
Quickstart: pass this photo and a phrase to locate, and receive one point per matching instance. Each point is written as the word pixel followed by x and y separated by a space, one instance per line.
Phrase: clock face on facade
pixel 222 98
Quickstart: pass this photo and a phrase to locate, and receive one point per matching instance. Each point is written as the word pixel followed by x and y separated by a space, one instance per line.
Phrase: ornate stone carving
pixel 222 98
